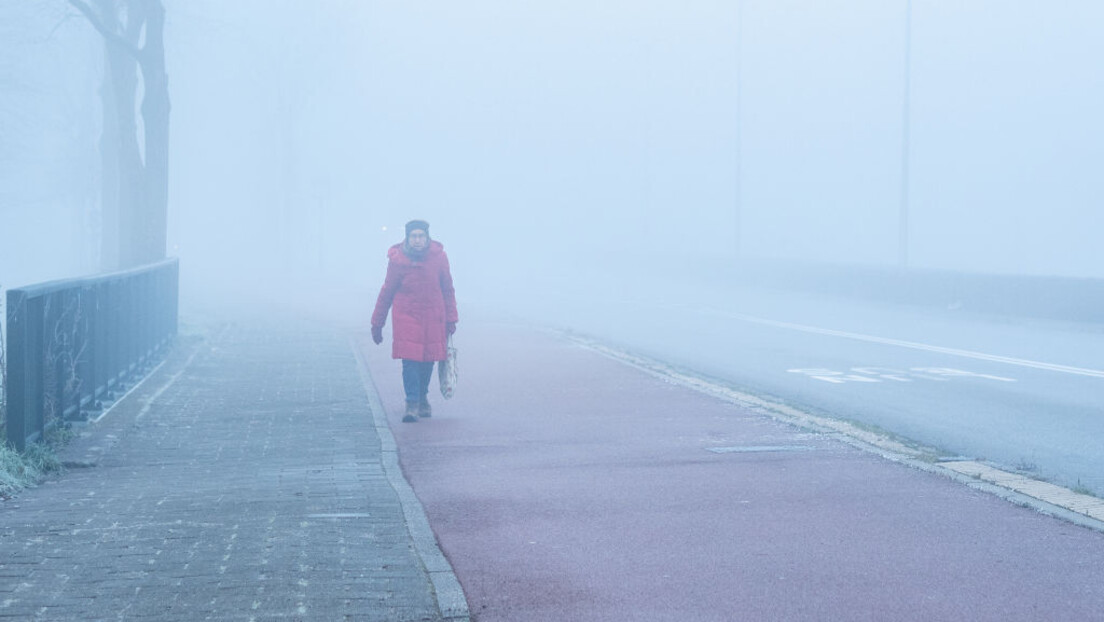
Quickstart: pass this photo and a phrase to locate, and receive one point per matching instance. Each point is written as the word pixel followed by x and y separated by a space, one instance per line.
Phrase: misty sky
pixel 540 135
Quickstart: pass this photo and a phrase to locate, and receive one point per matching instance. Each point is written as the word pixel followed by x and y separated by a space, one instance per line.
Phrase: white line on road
pixel 1080 371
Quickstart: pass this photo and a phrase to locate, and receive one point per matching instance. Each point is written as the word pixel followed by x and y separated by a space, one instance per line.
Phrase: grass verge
pixel 20 470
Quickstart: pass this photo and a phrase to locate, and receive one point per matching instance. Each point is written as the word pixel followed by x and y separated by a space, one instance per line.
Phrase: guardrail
pixel 1066 299
pixel 76 344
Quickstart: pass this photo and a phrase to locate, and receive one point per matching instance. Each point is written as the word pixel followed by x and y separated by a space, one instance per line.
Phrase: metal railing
pixel 76 344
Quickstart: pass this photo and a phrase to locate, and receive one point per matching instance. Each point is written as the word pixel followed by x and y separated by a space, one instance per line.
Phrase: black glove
pixel 377 334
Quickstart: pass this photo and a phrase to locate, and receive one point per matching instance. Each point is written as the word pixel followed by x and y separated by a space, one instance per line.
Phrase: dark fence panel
pixel 76 344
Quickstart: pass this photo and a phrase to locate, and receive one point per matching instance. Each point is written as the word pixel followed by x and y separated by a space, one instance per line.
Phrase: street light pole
pixel 739 113
pixel 903 218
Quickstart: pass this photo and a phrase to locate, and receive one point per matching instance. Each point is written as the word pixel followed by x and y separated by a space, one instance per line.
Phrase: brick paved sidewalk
pixel 246 479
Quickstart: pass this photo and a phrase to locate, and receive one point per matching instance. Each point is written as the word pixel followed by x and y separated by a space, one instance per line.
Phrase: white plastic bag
pixel 446 371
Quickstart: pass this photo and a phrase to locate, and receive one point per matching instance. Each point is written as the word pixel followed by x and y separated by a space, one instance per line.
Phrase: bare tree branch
pixel 108 33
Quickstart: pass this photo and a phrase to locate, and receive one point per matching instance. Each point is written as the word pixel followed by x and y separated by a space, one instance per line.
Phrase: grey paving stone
pixel 252 488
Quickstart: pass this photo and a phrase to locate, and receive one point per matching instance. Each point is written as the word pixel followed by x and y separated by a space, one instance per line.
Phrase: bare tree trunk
pixel 136 192
pixel 155 115
pixel 131 171
pixel 119 145
pixel 109 153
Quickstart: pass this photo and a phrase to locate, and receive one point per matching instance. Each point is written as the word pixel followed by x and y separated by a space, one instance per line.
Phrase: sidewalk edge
pixel 451 602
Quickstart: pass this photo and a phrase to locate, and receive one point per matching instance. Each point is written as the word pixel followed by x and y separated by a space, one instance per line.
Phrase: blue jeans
pixel 416 375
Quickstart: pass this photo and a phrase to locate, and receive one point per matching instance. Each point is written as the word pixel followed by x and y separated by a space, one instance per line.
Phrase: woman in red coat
pixel 419 287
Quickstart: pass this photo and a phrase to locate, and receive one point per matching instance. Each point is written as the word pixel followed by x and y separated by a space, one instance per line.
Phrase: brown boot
pixel 411 412
pixel 424 409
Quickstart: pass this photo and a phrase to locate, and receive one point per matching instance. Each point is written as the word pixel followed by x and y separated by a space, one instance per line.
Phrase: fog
pixel 551 143
pixel 556 141
pixel 48 142
pixel 888 212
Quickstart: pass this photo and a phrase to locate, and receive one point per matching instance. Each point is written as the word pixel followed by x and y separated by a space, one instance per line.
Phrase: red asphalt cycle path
pixel 563 485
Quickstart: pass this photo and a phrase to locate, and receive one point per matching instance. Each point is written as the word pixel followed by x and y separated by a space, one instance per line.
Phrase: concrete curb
pixel 451 601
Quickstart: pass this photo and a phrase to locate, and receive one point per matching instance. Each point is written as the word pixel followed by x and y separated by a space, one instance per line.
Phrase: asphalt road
pixel 1024 394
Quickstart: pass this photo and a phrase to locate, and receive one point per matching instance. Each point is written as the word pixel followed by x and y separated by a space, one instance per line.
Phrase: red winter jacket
pixel 423 297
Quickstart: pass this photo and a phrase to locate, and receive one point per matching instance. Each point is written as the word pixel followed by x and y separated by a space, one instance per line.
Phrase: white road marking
pixel 830 375
pixel 883 373
pixel 877 374
pixel 958 373
pixel 1066 369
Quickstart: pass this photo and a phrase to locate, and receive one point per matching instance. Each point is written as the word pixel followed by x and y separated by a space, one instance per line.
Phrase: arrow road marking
pixel 1066 369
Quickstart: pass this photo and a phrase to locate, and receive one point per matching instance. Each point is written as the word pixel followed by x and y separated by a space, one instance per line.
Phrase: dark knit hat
pixel 417 224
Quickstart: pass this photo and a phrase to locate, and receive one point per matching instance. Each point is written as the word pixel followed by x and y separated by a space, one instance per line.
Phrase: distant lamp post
pixel 903 216
pixel 738 233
